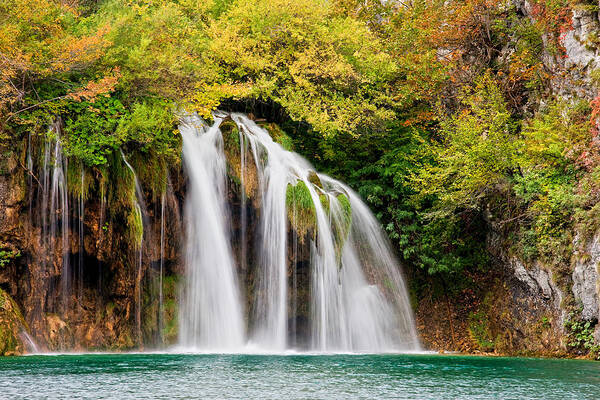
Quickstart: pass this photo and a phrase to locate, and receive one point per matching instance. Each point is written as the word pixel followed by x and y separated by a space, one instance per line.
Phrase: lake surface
pixel 187 376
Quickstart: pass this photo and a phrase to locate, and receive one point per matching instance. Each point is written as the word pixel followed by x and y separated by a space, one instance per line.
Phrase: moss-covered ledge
pixel 12 325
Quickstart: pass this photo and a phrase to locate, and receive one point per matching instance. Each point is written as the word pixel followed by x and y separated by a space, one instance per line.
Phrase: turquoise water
pixel 179 376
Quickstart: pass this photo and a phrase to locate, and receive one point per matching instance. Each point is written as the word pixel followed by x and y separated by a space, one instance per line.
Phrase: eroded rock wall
pixel 90 304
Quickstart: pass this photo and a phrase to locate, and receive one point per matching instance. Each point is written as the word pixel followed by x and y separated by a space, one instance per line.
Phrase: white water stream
pixel 334 281
pixel 211 311
pixel 358 301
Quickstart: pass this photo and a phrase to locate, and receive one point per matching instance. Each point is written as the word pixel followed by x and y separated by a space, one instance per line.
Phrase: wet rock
pixel 12 325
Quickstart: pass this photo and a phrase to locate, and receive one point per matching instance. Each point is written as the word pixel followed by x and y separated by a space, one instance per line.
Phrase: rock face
pixel 536 306
pixel 538 281
pixel 586 288
pixel 513 309
pixel 521 308
pixel 585 280
pixel 12 193
pixel 74 273
pixel 571 72
pixel 12 327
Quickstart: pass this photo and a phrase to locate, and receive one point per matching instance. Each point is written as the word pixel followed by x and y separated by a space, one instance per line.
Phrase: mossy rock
pixel 230 132
pixel 135 224
pixel 301 210
pixel 233 156
pixel 152 172
pixel 11 325
pixel 480 332
pixel 314 179
pixel 231 139
pixel 278 135
pixel 170 310
pixel 342 223
pixel 302 213
pixel 346 209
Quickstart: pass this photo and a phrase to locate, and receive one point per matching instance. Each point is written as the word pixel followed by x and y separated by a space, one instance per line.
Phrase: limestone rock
pixel 538 280
pixel 585 280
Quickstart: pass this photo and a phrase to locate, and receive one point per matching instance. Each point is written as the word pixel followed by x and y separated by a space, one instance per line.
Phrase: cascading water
pixel 211 311
pixel 358 301
pixel 270 324
pixel 140 209
pixel 81 211
pixel 161 308
pixel 56 216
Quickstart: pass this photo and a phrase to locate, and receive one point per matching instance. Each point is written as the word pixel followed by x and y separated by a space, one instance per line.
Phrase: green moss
pixel 479 330
pixel 314 179
pixel 170 309
pixel 346 209
pixel 11 323
pixel 153 330
pixel 324 200
pixel 231 135
pixel 300 207
pixel 7 255
pixel 119 184
pixel 231 147
pixel 342 223
pixel 278 135
pixel 77 186
pixel 8 341
pixel 135 225
pixel 152 172
pixel 121 197
pixel 302 213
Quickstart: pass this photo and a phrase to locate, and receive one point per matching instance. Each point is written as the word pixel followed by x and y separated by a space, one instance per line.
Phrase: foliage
pixel 477 152
pixel 550 163
pixel 278 135
pixel 437 113
pixel 581 335
pixel 480 331
pixel 341 222
pixel 91 130
pixel 6 256
pixel 39 40
pixel 322 68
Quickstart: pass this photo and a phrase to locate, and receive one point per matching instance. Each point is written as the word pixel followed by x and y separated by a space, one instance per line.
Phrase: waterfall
pixel 243 211
pixel 358 301
pixel 140 209
pixel 101 220
pixel 161 307
pixel 211 310
pixel 81 211
pixel 271 297
pixel 55 208
pixel 29 343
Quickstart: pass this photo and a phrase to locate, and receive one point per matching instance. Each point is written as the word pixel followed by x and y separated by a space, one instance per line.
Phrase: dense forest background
pixel 458 121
